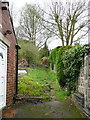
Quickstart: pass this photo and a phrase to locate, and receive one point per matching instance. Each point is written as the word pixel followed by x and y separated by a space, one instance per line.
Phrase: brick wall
pixel 11 58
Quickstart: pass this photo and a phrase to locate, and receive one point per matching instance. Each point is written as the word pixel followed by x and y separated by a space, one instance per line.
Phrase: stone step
pixel 80 99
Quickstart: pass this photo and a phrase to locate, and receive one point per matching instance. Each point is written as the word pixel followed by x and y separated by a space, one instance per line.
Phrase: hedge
pixel 53 57
pixel 68 62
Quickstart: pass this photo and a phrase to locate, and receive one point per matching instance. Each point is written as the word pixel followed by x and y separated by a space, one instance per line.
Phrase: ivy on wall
pixel 60 65
pixel 53 57
pixel 68 62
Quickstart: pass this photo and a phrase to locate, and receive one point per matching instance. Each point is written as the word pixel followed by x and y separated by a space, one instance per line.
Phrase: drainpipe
pixel 17 48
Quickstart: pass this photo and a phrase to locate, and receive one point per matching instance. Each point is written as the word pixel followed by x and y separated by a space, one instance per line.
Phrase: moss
pixel 53 57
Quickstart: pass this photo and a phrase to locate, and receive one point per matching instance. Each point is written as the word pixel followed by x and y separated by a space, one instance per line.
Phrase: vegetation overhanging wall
pixel 68 60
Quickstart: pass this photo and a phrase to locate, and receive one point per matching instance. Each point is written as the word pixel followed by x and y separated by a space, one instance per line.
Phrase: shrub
pixel 60 66
pixel 72 62
pixel 68 60
pixel 29 52
pixel 44 52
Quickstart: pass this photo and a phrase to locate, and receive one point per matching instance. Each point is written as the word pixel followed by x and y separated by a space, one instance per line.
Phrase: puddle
pixel 52 109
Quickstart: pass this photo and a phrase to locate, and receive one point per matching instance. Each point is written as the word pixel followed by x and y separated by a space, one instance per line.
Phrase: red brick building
pixel 8 57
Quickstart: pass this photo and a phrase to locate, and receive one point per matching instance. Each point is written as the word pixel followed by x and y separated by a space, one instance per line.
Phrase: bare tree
pixel 30 27
pixel 67 20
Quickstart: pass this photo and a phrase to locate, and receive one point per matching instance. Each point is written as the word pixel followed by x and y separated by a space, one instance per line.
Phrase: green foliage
pixel 35 83
pixel 69 61
pixel 29 87
pixel 44 56
pixel 60 66
pixel 60 94
pixel 53 57
pixel 29 51
pixel 44 52
pixel 38 82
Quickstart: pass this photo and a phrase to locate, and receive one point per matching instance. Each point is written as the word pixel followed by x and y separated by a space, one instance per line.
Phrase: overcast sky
pixel 18 4
pixel 43 3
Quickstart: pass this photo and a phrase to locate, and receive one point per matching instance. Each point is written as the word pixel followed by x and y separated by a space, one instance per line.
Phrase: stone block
pixel 89 60
pixel 89 81
pixel 88 93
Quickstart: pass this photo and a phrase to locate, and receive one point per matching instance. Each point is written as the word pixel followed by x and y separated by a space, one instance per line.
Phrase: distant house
pixel 8 57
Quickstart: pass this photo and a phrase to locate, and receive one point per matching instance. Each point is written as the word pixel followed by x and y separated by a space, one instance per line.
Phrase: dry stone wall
pixel 83 88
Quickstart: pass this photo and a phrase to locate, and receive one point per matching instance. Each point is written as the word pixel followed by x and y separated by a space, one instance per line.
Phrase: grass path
pixel 40 83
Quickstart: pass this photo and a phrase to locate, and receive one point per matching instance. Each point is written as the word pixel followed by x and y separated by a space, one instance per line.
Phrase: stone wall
pixel 83 88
